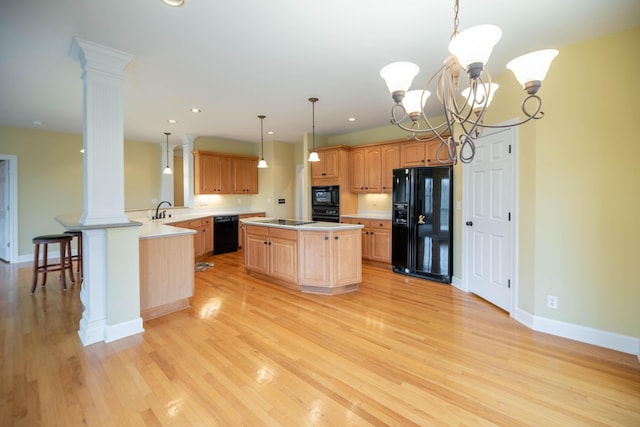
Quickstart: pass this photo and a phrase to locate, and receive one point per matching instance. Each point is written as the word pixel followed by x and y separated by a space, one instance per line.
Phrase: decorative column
pixel 111 285
pixel 166 181
pixel 188 169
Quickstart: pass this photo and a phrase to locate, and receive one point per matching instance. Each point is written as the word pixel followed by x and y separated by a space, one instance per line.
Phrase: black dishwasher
pixel 225 234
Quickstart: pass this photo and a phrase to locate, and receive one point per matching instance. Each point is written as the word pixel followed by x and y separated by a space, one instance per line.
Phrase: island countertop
pixel 302 226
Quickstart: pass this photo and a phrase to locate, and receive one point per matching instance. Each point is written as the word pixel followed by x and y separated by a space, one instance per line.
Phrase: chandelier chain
pixel 456 20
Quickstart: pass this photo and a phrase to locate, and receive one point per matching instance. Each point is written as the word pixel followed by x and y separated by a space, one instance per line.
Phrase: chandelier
pixel 470 51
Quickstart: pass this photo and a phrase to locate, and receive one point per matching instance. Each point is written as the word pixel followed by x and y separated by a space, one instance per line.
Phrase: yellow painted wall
pixel 579 185
pixel 50 178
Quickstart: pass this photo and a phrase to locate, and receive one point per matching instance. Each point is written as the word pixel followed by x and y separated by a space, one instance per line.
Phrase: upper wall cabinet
pixel 390 160
pixel 220 173
pixel 366 170
pixel 420 153
pixel 333 167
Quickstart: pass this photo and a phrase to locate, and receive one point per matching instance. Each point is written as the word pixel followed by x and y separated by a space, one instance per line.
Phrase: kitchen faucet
pixel 158 208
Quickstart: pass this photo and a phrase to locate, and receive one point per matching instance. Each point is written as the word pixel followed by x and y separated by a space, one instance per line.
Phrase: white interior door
pixel 4 210
pixel 489 185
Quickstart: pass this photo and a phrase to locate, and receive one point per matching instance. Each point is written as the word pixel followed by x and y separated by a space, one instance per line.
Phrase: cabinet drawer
pixel 257 230
pixel 206 221
pixel 378 224
pixel 281 233
pixel 195 223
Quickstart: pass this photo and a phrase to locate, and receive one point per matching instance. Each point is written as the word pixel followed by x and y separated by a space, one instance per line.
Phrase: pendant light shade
pixel 262 164
pixel 167 170
pixel 313 156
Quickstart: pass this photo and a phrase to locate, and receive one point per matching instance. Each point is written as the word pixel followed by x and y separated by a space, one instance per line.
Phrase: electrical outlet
pixel 552 301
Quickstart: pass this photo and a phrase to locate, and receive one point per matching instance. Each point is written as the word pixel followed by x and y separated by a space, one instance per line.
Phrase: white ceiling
pixel 237 59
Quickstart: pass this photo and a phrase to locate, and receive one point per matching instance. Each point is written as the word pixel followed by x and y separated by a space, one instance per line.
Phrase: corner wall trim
pixel 606 339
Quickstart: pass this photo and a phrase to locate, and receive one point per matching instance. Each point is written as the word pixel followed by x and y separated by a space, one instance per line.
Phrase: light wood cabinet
pixel 272 252
pixel 390 161
pixel 366 170
pixel 242 227
pixel 432 154
pixel 220 173
pixel 330 261
pixel 328 166
pixel 245 176
pixel 376 239
pixel 203 239
pixel 412 154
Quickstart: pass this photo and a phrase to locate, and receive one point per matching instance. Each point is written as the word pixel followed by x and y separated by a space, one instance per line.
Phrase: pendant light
pixel 313 156
pixel 167 170
pixel 262 164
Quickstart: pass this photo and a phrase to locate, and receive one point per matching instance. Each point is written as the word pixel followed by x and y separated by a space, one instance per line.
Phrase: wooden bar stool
pixel 78 257
pixel 65 259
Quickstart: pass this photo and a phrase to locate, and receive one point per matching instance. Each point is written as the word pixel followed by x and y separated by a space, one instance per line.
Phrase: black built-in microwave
pixel 327 195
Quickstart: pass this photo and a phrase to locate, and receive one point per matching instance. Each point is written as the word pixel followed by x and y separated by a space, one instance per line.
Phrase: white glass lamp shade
pixel 262 164
pixel 167 171
pixel 414 100
pixel 313 157
pixel 483 91
pixel 532 66
pixel 399 75
pixel 475 44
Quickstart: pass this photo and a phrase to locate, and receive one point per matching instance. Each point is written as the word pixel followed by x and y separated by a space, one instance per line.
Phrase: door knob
pixel 469 223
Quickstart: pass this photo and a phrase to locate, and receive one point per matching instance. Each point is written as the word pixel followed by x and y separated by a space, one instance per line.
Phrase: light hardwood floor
pixel 400 351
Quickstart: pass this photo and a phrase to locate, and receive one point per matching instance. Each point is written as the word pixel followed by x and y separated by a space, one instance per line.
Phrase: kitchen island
pixel 309 256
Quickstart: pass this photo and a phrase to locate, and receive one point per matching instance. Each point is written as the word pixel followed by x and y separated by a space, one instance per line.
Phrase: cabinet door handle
pixel 326 238
pixel 335 238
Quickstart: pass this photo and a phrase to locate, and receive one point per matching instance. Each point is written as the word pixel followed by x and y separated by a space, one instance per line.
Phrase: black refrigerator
pixel 422 234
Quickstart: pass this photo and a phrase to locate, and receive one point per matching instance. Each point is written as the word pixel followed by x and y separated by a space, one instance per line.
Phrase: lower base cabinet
pixel 325 262
pixel 203 239
pixel 272 252
pixel 376 239
pixel 330 261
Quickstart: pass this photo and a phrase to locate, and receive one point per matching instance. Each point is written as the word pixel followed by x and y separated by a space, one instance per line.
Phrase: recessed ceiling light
pixel 196 110
pixel 172 121
pixel 351 119
pixel 36 123
pixel 174 3
pixel 270 132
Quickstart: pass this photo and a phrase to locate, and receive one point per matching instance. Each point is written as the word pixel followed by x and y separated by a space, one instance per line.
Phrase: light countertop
pixel 154 230
pixel 377 215
pixel 311 226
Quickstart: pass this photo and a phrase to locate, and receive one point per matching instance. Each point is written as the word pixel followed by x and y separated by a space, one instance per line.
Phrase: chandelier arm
pixel 537 114
pixel 468 143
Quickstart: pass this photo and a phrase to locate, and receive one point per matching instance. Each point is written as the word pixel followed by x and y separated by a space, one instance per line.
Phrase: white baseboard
pixel 457 283
pixel 124 329
pixel 610 340
pixel 53 256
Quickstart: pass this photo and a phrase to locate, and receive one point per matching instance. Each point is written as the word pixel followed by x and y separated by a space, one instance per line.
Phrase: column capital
pixel 91 55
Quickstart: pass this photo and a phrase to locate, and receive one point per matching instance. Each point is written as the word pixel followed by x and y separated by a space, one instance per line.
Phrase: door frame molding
pixel 515 198
pixel 13 206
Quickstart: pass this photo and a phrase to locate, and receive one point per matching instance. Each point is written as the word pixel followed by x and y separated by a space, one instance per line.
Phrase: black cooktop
pixel 286 222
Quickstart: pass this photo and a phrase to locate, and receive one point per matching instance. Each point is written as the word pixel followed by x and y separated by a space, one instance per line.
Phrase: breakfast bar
pixel 309 256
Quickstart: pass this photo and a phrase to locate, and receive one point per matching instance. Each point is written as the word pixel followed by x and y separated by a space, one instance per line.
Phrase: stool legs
pixel 65 262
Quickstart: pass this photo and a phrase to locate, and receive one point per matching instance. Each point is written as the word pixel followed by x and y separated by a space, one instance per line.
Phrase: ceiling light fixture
pixel 174 3
pixel 196 110
pixel 167 170
pixel 262 164
pixel 172 121
pixel 313 156
pixel 470 51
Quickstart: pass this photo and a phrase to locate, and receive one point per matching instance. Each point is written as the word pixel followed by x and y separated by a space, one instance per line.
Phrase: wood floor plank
pixel 399 351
